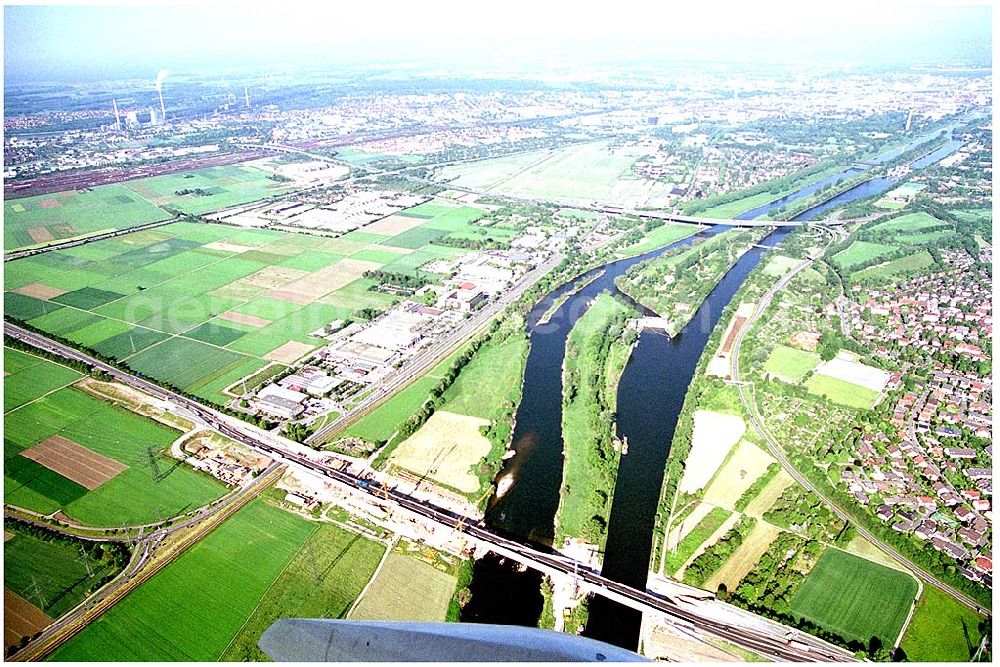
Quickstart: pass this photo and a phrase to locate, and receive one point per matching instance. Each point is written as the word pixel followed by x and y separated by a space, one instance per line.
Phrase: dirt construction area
pixel 74 462
pixel 714 435
pixel 445 449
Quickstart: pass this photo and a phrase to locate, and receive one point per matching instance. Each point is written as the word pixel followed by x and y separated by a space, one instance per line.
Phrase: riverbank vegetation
pixel 596 354
pixel 676 283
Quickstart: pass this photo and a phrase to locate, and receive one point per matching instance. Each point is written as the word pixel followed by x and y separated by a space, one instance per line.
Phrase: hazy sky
pixel 54 42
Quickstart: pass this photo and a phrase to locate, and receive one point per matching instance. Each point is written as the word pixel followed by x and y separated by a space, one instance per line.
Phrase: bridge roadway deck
pixel 770 639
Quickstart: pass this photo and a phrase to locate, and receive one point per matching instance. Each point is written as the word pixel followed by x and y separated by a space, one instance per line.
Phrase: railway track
pixel 779 643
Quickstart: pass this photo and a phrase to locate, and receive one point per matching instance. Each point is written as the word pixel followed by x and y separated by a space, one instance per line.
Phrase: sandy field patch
pixel 844 368
pixel 719 364
pixel 730 521
pixel 40 234
pixel 859 546
pixel 745 558
pixel 274 276
pixel 7 535
pixel 805 340
pixel 50 203
pixel 20 618
pixel 227 247
pixel 394 224
pixel 714 435
pixel 769 494
pixel 324 281
pixel 747 463
pixel 74 462
pixel 39 291
pixel 238 290
pixel 289 352
pixel 445 449
pixel 240 318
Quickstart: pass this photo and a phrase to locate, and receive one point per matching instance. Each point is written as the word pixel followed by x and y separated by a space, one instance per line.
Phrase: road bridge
pixel 771 640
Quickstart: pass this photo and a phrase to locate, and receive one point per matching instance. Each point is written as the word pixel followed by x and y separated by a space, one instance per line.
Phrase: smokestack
pixel 246 96
pixel 160 76
pixel 118 120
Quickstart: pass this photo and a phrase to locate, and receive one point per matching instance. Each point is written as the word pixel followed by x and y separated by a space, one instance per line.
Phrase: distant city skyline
pixel 116 41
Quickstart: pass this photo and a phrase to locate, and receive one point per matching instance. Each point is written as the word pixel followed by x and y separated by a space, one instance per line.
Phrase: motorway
pixel 750 406
pixel 784 644
pixel 145 562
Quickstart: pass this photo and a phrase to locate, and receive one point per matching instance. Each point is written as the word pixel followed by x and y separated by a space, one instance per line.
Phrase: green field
pixel 941 630
pixel 701 532
pixel 663 235
pixel 198 604
pixel 490 380
pixel 406 589
pixel 56 567
pixel 860 252
pixel 162 301
pixel 789 364
pixel 223 187
pixel 140 494
pixel 26 377
pixel 855 598
pixel 916 261
pixel 322 581
pixel 839 391
pixel 581 173
pixel 911 222
pixel 74 213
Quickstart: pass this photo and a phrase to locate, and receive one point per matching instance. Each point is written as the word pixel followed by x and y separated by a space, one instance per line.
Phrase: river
pixel 650 396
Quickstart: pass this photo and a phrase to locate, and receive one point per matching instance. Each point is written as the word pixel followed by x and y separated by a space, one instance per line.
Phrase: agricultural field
pixel 40 220
pixel 27 377
pixel 789 364
pixel 49 574
pixel 201 306
pixel 844 393
pixel 194 608
pixel 448 447
pixel 744 558
pixel 912 222
pixel 860 252
pixel 741 469
pixel 406 589
pixel 715 433
pixel 941 630
pixel 322 581
pixel 98 463
pixel 918 260
pixel 690 543
pixel 445 221
pixel 874 604
pixel 582 173
pixel 445 449
pixel 217 188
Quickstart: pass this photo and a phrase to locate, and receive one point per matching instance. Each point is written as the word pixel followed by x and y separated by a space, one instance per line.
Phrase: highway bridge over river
pixel 684 610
